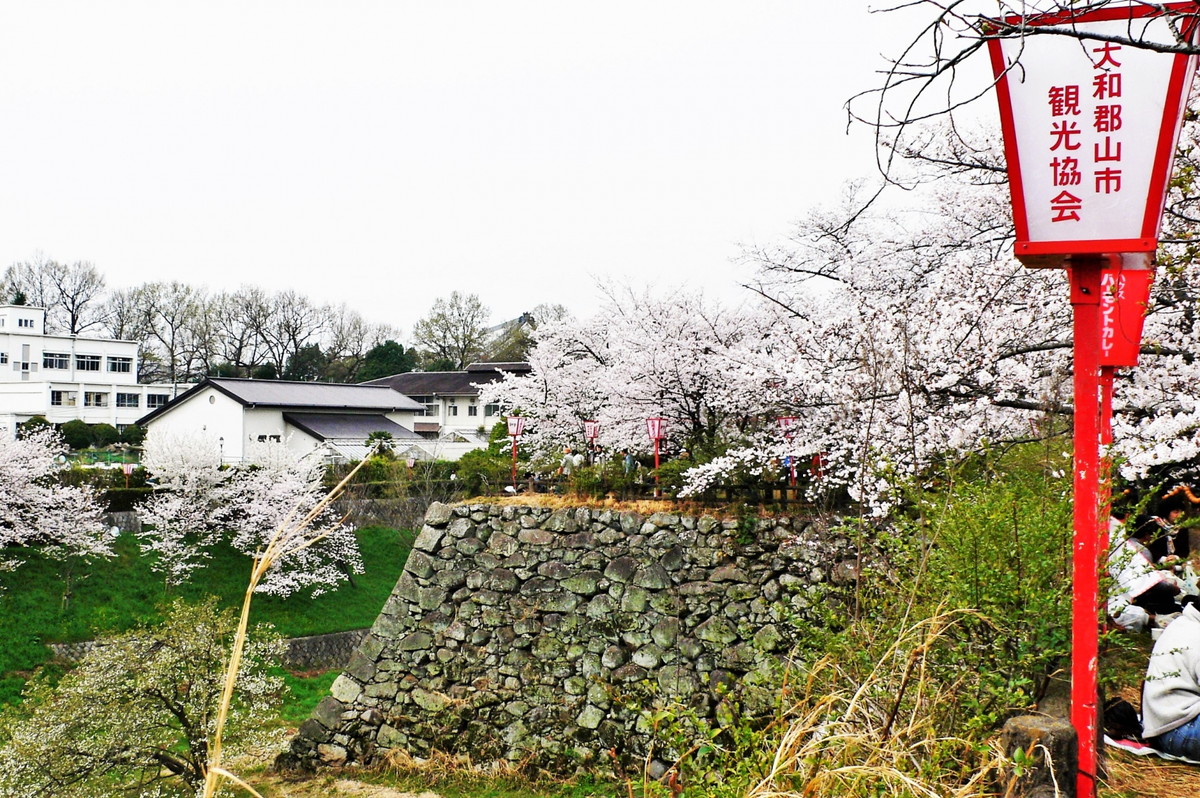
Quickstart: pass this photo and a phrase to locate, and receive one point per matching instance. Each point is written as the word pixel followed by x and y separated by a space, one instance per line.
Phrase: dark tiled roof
pixel 334 426
pixel 299 395
pixel 448 383
pixel 513 367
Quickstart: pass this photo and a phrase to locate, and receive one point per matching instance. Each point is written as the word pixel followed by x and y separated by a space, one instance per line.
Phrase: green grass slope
pixel 41 602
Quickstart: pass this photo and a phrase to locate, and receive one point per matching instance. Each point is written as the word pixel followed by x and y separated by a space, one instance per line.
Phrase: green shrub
pixel 77 434
pixel 104 435
pixel 133 435
pixel 33 424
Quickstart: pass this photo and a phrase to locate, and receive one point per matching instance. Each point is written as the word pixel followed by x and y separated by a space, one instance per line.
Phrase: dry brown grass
pixel 555 501
pixel 1132 776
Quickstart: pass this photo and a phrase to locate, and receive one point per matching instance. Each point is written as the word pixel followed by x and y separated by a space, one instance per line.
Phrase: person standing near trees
pixel 570 462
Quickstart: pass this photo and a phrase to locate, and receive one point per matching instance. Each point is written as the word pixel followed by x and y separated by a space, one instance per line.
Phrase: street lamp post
pixel 516 425
pixel 1087 195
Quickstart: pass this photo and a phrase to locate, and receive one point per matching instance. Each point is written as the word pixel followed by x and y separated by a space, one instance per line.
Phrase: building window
pixel 128 400
pixel 453 410
pixel 271 438
pixel 491 410
pixel 3 357
pixel 472 410
pixel 120 365
pixel 95 399
pixel 27 323
pixel 87 362
pixel 62 398
pixel 154 400
pixel 56 360
pixel 26 366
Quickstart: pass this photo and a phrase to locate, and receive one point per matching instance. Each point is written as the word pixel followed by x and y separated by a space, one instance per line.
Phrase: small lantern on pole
pixel 591 431
pixel 787 425
pixel 656 428
pixel 516 426
pixel 1090 128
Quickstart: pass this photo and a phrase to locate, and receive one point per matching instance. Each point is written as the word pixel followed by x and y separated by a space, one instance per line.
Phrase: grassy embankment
pixel 45 601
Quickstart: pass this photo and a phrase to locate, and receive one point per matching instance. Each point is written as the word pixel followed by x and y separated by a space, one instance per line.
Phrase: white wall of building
pixel 212 414
pixel 67 377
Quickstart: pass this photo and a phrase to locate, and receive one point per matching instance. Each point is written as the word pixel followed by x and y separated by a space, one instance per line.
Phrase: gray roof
pixel 449 383
pixel 277 393
pixel 299 395
pixel 356 426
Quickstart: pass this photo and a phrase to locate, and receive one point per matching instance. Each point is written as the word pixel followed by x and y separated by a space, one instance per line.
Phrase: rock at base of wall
pixel 1049 754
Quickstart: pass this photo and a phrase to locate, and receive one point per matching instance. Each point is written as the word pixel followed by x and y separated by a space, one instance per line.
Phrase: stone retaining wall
pixel 530 634
pixel 318 652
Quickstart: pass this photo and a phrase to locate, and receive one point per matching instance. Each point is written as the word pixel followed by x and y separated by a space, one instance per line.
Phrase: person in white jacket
pixel 1140 591
pixel 1171 692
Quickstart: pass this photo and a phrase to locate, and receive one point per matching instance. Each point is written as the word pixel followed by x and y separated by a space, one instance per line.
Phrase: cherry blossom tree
pixel 187 514
pixel 640 356
pixel 200 502
pixel 896 338
pixel 900 337
pixel 38 512
pixel 136 716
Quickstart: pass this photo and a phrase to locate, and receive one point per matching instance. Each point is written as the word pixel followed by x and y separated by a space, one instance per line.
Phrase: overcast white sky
pixel 382 154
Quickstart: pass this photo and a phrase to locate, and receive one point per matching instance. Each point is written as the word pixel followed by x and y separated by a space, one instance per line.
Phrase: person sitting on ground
pixel 1166 544
pixel 1141 592
pixel 1171 692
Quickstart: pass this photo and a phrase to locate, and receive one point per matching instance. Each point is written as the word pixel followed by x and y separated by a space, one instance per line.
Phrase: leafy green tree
pixel 309 363
pixel 134 718
pixel 382 441
pixel 265 372
pixel 386 359
pixel 483 471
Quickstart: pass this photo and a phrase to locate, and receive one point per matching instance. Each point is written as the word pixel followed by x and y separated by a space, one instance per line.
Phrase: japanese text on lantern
pixel 1071 132
pixel 1112 290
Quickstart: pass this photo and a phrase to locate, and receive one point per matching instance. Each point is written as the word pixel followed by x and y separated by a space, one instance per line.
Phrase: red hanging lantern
pixel 516 426
pixel 1124 298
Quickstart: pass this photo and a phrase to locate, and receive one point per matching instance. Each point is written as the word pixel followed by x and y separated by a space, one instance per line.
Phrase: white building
pixel 67 377
pixel 452 421
pixel 307 415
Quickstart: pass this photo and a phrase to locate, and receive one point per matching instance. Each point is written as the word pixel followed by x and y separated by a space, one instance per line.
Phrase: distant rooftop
pixel 450 383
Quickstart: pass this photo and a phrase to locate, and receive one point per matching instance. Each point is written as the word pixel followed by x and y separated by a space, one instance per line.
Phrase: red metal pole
pixel 514 468
pixel 656 468
pixel 1107 379
pixel 1084 274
